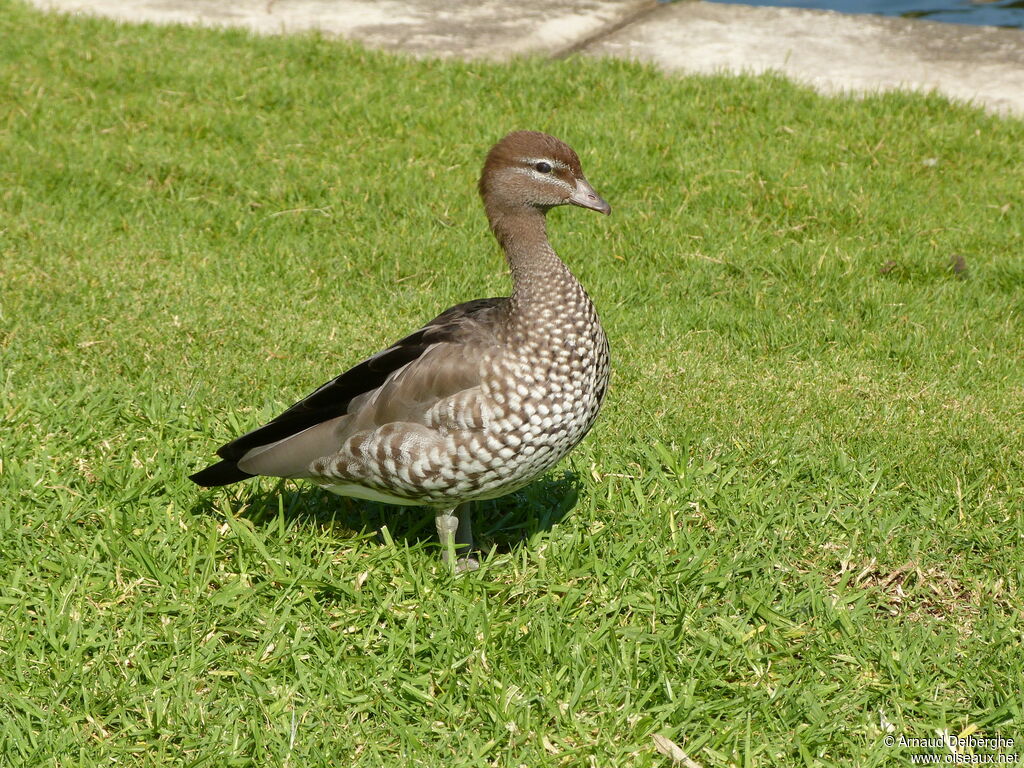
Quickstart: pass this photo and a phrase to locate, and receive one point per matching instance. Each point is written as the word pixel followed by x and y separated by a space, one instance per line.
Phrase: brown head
pixel 532 171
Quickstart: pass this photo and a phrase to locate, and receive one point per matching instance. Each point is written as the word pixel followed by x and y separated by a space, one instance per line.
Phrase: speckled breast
pixel 544 407
pixel 545 390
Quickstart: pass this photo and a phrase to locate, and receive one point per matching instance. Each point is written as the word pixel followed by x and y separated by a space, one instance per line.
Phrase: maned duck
pixel 480 401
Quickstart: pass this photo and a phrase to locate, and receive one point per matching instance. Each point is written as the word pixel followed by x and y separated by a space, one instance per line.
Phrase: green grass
pixel 800 515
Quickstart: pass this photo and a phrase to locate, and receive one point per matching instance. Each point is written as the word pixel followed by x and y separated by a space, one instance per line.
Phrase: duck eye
pixel 543 167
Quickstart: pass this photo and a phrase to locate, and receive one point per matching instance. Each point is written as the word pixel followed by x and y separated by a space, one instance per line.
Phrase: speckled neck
pixel 544 290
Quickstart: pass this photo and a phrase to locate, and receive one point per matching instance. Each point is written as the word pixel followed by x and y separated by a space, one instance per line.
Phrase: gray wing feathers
pixel 440 390
pixel 292 456
pixel 441 372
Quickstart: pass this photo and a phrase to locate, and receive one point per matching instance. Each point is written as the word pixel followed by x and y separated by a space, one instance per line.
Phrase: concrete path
pixel 830 51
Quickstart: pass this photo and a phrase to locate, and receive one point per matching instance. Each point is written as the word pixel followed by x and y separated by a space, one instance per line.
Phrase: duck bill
pixel 585 197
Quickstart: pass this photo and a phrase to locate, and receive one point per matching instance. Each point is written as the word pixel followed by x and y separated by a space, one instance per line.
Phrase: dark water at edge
pixel 998 13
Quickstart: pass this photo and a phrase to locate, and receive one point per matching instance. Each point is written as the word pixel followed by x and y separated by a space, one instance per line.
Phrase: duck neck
pixel 540 279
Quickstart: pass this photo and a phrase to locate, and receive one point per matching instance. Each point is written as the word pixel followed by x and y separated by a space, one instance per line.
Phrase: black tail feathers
pixel 222 473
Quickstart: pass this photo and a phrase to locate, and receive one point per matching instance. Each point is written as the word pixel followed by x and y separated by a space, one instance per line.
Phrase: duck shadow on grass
pixel 499 525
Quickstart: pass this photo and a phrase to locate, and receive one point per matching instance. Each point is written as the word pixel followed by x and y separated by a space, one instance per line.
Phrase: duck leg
pixel 455 531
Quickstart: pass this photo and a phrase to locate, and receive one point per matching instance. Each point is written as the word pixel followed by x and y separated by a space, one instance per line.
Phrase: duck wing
pixel 333 400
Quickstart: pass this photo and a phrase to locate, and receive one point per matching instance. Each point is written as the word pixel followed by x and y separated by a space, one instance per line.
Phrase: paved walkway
pixel 830 51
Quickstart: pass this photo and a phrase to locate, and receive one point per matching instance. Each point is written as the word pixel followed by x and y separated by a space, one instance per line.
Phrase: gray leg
pixel 455 531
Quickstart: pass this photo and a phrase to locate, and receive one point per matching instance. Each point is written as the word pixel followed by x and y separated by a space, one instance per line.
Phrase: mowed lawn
pixel 796 531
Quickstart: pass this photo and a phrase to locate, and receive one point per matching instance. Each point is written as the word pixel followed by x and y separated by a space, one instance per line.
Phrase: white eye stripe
pixel 532 172
pixel 553 163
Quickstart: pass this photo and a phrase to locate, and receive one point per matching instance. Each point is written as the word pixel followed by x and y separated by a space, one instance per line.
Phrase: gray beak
pixel 586 197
